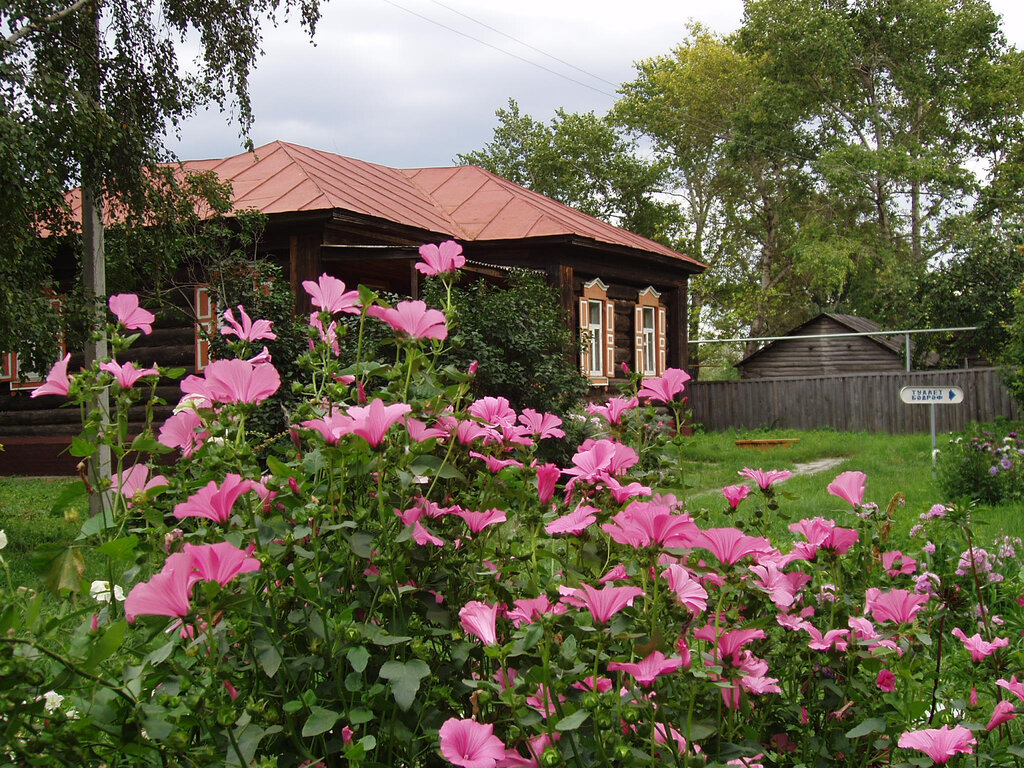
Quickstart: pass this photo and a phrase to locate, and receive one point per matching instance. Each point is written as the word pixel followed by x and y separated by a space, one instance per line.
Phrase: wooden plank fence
pixel 867 402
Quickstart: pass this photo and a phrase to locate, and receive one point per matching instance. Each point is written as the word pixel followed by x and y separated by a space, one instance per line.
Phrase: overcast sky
pixel 412 83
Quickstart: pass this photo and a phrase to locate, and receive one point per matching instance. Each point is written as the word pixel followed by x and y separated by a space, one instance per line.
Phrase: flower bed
pixel 397 581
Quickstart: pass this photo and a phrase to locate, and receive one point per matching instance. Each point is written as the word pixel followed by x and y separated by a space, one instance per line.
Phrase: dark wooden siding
pixel 859 402
pixel 821 357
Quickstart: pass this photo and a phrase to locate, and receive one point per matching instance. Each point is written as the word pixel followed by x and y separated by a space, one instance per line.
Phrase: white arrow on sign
pixel 946 395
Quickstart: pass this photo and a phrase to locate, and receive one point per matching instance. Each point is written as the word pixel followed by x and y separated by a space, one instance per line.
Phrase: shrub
pixel 404 584
pixel 985 463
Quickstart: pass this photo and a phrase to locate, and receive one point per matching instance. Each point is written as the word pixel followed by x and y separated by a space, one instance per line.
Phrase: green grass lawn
pixel 893 464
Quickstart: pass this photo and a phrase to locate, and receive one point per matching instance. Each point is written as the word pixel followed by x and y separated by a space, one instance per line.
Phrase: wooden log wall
pixel 852 402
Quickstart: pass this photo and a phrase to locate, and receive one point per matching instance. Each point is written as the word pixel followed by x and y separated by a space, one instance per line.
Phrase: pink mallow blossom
pixel 664 388
pixel 603 603
pixel 734 494
pixel 126 375
pixel 183 430
pixel 215 502
pixel 440 259
pixel 979 648
pixel 1004 712
pixel 897 605
pixel 470 744
pixel 221 562
pixel 246 329
pixel 413 319
pixel 886 681
pixel 646 671
pixel 167 593
pixel 234 381
pixel 940 744
pixel 136 480
pixel 330 295
pixel 57 382
pixel 687 589
pixel 126 309
pixel 849 486
pixel 765 479
pixel 371 422
pixel 575 522
pixel 478 619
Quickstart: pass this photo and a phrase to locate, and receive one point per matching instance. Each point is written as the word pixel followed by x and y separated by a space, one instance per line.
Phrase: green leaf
pixel 81 448
pixel 147 444
pixel 160 654
pixel 871 725
pixel 278 467
pixel 107 644
pixel 154 720
pixel 358 657
pixel 268 656
pixel 404 679
pixel 361 544
pixel 360 716
pixel 573 721
pixel 70 493
pixel 95 524
pixel 119 549
pixel 62 567
pixel 320 720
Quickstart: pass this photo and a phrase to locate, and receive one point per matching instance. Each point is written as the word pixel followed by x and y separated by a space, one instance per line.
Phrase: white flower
pixel 3 539
pixel 190 402
pixel 53 701
pixel 100 590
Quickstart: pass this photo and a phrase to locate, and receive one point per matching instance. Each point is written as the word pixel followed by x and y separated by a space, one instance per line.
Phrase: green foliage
pixel 519 339
pixel 1012 357
pixel 984 463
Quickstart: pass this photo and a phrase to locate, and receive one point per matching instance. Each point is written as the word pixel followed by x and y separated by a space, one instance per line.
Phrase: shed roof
pixel 463 202
pixel 853 322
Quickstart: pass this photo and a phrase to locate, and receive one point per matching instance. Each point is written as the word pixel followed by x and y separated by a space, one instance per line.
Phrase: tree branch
pixel 37 26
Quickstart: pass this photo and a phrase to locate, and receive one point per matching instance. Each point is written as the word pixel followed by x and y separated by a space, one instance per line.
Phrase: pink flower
pixel 413 319
pixel 215 502
pixel 777 584
pixel 126 375
pixel 125 307
pixel 542 425
pixel 730 544
pixel 939 744
pixel 180 431
pixel 547 479
pixel 135 480
pixel 666 386
pixel 978 647
pixel 576 522
pixel 896 563
pixel 477 521
pixel 221 562
pixel 528 610
pixel 232 691
pixel 328 335
pixel 494 464
pixel 470 744
pixel 543 701
pixel 420 432
pixel 371 422
pixel 647 671
pixel 494 411
pixel 734 494
pixel 898 605
pixel 604 603
pixel 886 681
pixel 1003 713
pixel 166 594
pixel 239 381
pixel 1014 687
pixel 479 619
pixel 832 638
pixel 422 536
pixel 438 259
pixel 247 330
pixel 612 411
pixel 849 486
pixel 649 523
pixel 329 294
pixel 57 382
pixel 689 591
pixel 766 480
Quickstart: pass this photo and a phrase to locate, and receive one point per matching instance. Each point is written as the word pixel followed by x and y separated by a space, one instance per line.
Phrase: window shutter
pixel 8 362
pixel 206 325
pixel 662 332
pixel 609 332
pixel 638 339
pixel 584 346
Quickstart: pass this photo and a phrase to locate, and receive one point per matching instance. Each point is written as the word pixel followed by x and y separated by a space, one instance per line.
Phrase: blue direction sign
pixel 947 395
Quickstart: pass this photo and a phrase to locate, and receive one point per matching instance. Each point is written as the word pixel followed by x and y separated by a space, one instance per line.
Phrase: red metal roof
pixel 466 203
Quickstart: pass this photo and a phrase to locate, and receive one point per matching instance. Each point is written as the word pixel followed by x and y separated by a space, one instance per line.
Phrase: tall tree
pixel 87 90
pixel 582 161
pixel 893 94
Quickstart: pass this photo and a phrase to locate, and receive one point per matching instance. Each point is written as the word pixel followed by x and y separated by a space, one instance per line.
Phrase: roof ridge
pixel 410 174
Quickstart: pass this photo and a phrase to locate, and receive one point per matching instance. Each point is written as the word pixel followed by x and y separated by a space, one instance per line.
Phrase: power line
pixel 524 43
pixel 501 50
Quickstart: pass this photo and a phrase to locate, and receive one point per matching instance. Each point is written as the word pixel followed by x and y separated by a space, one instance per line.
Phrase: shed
pixel 363 223
pixel 823 356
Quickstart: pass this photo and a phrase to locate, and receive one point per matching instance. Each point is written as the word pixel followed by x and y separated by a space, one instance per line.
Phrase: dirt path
pixel 806 468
